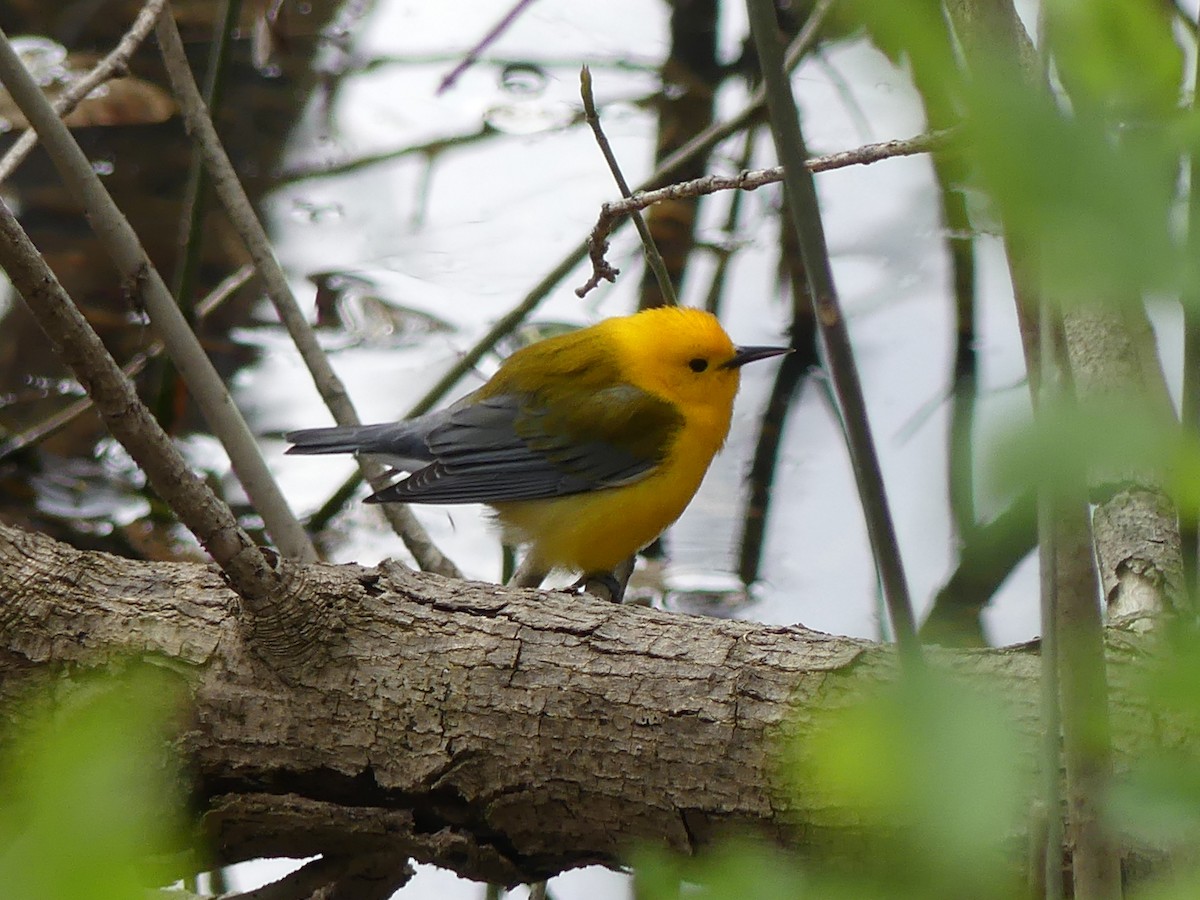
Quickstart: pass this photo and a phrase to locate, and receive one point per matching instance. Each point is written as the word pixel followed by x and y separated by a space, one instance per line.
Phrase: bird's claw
pixel 603 585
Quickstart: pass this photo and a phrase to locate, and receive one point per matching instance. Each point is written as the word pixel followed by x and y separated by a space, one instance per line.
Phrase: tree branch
pixel 374 877
pixel 282 618
pixel 507 735
pixel 241 214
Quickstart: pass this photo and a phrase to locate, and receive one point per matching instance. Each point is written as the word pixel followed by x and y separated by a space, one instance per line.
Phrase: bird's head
pixel 684 356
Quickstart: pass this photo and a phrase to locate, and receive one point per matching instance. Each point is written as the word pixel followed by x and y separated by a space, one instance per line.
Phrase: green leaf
pixel 1093 214
pixel 930 768
pixel 1110 441
pixel 1120 55
pixel 91 793
pixel 910 29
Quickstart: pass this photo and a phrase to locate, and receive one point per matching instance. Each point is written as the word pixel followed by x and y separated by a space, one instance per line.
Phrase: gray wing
pixel 495 449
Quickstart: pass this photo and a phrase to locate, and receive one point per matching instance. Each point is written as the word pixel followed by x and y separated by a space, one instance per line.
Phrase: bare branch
pixel 205 514
pixel 486 41
pixel 653 257
pixel 612 214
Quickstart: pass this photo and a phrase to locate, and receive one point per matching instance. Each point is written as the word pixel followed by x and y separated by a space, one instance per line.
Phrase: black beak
pixel 743 355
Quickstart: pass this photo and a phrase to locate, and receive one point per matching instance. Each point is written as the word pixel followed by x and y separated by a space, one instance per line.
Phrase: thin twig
pixel 59 420
pixel 611 214
pixel 194 205
pixel 1076 642
pixel 1050 875
pixel 714 134
pixel 653 257
pixel 1071 618
pixel 1030 306
pixel 114 65
pixel 146 285
pixel 790 378
pixel 486 41
pixel 805 215
pixel 241 213
pixel 760 476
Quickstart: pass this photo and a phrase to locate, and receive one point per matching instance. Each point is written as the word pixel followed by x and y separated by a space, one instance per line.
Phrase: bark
pixel 1138 545
pixel 506 735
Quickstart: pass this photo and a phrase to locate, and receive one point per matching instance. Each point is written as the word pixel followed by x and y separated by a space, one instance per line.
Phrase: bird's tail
pixel 390 439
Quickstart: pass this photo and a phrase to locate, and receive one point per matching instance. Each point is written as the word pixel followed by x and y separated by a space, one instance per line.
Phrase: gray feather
pixel 402 444
pixel 475 452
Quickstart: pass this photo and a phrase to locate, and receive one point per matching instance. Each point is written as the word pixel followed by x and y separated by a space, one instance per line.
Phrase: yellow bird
pixel 587 445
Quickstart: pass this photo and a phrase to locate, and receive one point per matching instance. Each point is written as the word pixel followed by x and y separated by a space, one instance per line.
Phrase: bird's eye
pixel 698 364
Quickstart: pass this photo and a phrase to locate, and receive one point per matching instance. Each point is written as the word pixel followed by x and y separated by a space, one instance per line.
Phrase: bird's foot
pixel 602 585
pixel 607 585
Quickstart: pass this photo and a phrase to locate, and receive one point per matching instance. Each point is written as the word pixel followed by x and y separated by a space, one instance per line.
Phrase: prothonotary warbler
pixel 587 445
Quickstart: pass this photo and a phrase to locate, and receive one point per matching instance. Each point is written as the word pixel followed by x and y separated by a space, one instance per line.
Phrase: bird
pixel 587 444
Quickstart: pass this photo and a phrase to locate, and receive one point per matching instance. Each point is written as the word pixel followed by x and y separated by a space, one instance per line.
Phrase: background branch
pixel 241 212
pixel 804 210
pixel 145 284
pixel 205 514
pixel 614 213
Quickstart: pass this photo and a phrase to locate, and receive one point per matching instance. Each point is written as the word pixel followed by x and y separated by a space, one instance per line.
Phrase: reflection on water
pixel 45 59
pixel 129 132
pixel 525 79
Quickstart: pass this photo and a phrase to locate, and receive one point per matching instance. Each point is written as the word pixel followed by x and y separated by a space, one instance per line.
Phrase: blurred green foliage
pixel 931 784
pixel 1109 441
pixel 90 794
pixel 926 779
pixel 1120 56
pixel 1073 151
pixel 931 765
pixel 1080 173
pixel 740 868
pixel 1156 804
